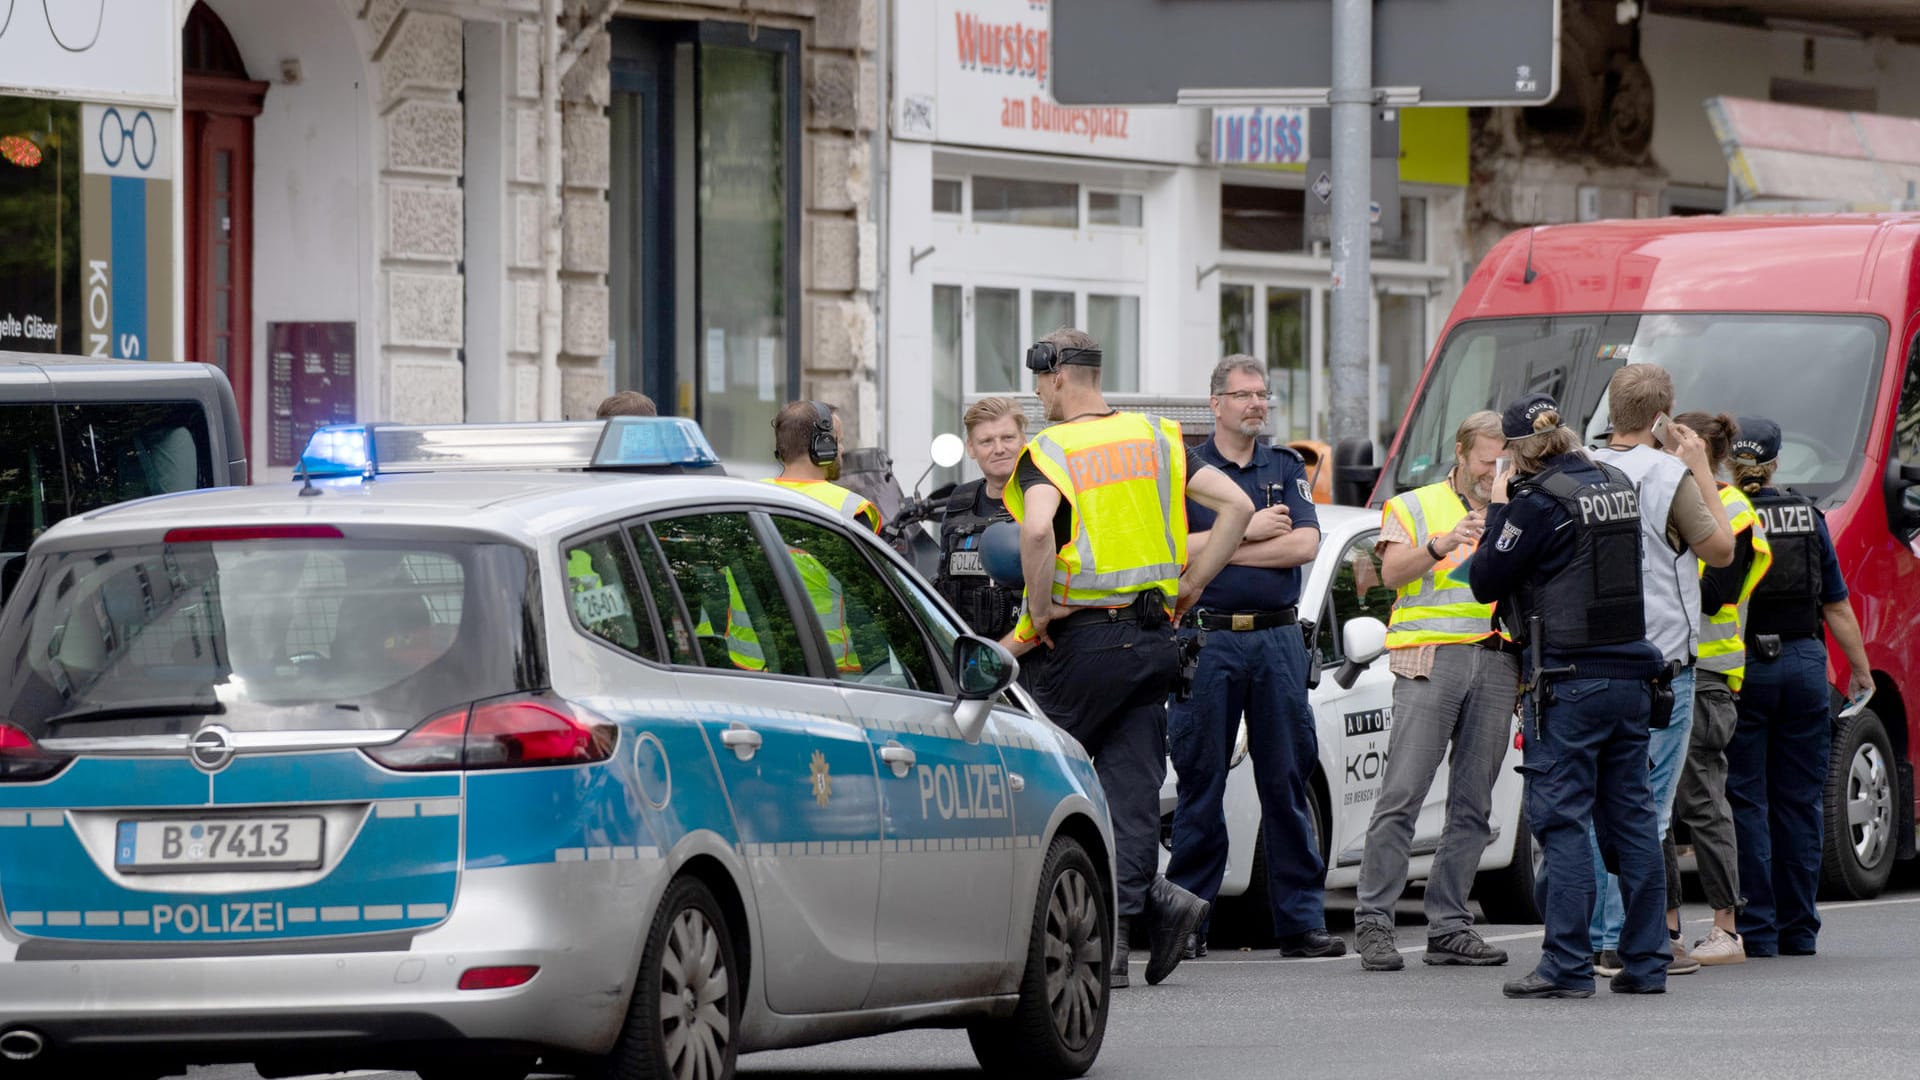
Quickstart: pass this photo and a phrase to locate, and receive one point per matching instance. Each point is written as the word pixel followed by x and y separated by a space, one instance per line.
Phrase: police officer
pixel 995 430
pixel 806 442
pixel 1254 663
pixel 1101 501
pixel 1561 555
pixel 1777 761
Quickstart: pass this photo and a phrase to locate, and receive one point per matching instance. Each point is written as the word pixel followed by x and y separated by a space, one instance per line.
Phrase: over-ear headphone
pixel 823 448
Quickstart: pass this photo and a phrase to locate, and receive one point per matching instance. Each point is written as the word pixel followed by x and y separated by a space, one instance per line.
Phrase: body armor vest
pixel 1595 600
pixel 990 610
pixel 1787 600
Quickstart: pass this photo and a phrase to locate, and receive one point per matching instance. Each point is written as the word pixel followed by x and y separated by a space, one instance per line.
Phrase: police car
pixel 1343 596
pixel 429 764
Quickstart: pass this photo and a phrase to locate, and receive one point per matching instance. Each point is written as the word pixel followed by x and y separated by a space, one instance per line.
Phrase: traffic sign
pixel 1216 52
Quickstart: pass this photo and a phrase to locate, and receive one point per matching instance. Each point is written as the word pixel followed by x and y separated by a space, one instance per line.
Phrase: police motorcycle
pixel 869 472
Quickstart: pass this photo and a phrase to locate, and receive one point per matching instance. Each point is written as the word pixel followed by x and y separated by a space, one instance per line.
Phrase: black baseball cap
pixel 1517 421
pixel 1759 440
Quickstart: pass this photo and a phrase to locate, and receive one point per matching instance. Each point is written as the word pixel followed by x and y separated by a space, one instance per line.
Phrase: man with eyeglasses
pixel 1253 664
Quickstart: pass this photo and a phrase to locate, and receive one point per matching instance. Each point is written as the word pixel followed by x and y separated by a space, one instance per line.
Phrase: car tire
pixel 699 1006
pixel 1507 895
pixel 1862 820
pixel 1061 1020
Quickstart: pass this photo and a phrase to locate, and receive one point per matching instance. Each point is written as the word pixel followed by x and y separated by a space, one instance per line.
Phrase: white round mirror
pixel 948 450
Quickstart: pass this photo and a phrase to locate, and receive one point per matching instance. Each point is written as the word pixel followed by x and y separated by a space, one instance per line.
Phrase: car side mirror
pixel 983 669
pixel 1902 486
pixel 1354 473
pixel 1363 640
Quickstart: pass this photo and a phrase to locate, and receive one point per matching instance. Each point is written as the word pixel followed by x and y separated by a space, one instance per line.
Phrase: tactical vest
pixel 1788 599
pixel 990 610
pixel 1595 600
pixel 1723 641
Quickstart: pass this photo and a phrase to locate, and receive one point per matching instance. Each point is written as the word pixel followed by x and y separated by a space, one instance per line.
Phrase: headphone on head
pixel 823 447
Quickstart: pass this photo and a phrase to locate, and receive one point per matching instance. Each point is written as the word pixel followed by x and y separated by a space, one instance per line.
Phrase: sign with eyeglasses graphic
pixel 127 140
pixel 95 49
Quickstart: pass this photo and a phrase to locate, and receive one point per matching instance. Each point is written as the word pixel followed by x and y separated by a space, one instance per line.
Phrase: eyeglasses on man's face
pixel 1248 397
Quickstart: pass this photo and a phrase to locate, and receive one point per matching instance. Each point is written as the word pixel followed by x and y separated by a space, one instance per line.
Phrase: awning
pixel 1794 157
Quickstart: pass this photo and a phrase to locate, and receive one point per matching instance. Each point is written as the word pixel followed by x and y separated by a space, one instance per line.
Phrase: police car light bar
pixel 622 442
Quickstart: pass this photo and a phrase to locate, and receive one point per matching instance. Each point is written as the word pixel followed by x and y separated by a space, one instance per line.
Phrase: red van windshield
pixel 1814 375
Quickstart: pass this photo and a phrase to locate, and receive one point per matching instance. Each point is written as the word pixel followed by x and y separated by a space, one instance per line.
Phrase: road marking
pixel 1844 904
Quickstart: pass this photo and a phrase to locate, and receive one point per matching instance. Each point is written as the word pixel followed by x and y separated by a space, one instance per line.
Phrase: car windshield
pixel 276 634
pixel 1743 364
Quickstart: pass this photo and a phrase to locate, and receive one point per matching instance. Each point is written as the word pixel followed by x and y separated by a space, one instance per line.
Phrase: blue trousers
pixel 1587 766
pixel 1263 674
pixel 1667 749
pixel 1776 782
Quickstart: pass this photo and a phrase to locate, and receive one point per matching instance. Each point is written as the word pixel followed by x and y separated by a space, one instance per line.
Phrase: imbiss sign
pixel 987 82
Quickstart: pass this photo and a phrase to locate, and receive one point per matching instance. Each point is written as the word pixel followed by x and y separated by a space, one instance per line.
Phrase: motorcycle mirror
pixel 948 450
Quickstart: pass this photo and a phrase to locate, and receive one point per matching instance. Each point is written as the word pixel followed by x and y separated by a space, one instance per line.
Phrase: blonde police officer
pixel 1100 497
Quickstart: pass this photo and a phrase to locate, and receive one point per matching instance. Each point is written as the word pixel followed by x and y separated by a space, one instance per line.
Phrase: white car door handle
pixel 743 740
pixel 897 756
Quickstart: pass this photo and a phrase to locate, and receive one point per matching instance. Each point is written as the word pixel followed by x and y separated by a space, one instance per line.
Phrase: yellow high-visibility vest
pixel 829 604
pixel 848 504
pixel 1438 607
pixel 1723 639
pixel 1124 479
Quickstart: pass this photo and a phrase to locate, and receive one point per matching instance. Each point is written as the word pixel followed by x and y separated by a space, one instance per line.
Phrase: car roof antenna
pixel 307 489
pixel 1531 272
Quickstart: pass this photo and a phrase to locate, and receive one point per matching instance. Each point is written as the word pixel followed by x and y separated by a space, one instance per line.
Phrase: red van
pixel 1811 321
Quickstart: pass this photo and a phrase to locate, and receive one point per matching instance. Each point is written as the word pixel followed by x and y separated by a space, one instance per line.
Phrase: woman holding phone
pixel 1777 760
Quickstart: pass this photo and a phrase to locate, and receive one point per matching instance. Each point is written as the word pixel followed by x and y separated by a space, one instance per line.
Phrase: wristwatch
pixel 1435 555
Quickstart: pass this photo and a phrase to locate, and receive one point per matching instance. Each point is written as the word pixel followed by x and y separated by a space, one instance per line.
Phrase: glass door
pixel 1283 325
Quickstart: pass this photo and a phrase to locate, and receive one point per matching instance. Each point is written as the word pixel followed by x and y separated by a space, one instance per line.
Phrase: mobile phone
pixel 1856 703
pixel 1501 465
pixel 1663 430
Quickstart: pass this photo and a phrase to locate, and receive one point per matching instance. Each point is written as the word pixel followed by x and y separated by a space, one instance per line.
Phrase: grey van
pixel 77 434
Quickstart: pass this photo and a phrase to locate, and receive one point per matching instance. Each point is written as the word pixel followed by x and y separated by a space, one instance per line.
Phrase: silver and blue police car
pixel 431 764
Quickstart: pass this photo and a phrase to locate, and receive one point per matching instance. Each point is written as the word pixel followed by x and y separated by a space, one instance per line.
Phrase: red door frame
pixel 219 116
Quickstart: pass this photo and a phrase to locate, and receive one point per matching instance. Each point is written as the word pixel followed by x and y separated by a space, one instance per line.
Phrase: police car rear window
pixel 276 634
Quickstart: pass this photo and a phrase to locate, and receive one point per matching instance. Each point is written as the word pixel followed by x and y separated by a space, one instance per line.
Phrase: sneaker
pixel 1375 943
pixel 1463 948
pixel 1720 947
pixel 1607 963
pixel 1682 962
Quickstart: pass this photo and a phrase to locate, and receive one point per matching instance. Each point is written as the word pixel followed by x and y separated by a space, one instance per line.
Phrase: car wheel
pixel 1057 1028
pixel 1862 792
pixel 1507 895
pixel 686 1002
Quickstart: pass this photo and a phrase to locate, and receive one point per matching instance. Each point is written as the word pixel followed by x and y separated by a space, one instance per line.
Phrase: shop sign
pixel 81 49
pixel 126 232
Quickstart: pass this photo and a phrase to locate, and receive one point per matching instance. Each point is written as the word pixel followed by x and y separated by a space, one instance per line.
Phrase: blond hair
pixel 1750 476
pixel 989 409
pixel 1636 394
pixel 1550 438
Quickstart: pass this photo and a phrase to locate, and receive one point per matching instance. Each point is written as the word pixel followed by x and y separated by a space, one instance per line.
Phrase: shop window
pixel 1051 311
pixel 1236 319
pixel 1412 244
pixel 999 200
pixel 1114 322
pixel 1403 352
pixel 1289 376
pixel 997 355
pixel 1113 208
pixel 1262 218
pixel 946 197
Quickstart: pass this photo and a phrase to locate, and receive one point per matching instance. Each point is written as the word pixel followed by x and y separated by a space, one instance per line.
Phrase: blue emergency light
pixel 633 443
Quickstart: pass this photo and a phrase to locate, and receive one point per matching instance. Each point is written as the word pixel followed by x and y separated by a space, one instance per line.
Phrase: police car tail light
pixel 222 534
pixel 22 759
pixel 504 733
pixel 497 978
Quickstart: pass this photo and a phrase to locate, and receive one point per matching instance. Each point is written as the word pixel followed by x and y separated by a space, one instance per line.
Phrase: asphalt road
pixel 1844 1013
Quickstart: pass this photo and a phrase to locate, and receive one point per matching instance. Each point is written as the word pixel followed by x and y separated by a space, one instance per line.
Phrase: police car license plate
pixel 183 845
pixel 966 564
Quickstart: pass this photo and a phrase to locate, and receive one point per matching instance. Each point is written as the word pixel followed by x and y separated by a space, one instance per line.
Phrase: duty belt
pixel 1242 620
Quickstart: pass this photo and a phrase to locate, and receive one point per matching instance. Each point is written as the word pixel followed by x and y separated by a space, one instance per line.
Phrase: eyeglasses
pixel 1248 397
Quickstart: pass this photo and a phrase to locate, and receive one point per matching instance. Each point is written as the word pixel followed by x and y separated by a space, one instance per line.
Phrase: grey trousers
pixel 1467 702
pixel 1701 801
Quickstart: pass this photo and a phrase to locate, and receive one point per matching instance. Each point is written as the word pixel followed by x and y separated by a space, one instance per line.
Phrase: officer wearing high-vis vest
pixel 806 441
pixel 1101 501
pixel 1777 761
pixel 996 429
pixel 1455 681
pixel 1701 802
pixel 1561 555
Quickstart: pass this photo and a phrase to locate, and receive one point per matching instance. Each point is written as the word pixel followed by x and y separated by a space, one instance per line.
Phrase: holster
pixel 1765 647
pixel 1662 714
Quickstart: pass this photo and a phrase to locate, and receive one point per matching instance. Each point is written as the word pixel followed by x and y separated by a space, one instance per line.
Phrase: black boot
pixel 1117 978
pixel 1175 914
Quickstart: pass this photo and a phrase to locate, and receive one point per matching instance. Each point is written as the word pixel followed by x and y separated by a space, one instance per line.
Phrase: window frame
pixel 618 531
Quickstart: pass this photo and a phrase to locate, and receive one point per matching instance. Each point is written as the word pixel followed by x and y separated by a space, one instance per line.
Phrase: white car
pixel 464 771
pixel 1345 599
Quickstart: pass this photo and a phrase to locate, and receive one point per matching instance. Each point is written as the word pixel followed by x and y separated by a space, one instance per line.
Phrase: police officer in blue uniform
pixel 1561 554
pixel 1254 663
pixel 1777 760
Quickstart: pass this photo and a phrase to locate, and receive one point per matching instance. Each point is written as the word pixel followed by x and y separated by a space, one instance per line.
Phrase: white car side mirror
pixel 1362 640
pixel 983 669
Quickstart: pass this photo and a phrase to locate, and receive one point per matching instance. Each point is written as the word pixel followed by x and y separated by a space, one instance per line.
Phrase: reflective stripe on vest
pixel 848 504
pixel 1436 608
pixel 743 642
pixel 1723 644
pixel 1124 478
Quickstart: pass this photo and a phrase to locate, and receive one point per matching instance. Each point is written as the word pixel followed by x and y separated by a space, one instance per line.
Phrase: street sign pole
pixel 1351 101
